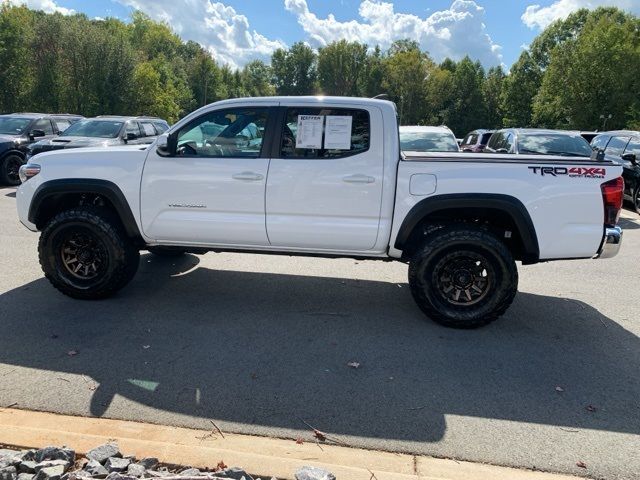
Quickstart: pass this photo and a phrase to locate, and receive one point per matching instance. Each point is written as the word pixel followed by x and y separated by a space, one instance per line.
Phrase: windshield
pixel 553 144
pixel 93 128
pixel 14 125
pixel 428 142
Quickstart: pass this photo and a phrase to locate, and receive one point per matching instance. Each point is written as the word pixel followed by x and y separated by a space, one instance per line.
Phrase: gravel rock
pixel 54 453
pixel 95 468
pixel 27 466
pixel 28 455
pixel 119 476
pixel 8 473
pixel 235 473
pixel 25 476
pixel 115 464
pixel 191 472
pixel 136 470
pixel 51 463
pixel 50 473
pixel 102 453
pixel 314 473
pixel 149 463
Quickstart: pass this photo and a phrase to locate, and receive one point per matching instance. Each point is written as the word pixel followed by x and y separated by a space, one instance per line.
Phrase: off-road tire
pixel 636 199
pixel 431 265
pixel 8 170
pixel 164 251
pixel 119 257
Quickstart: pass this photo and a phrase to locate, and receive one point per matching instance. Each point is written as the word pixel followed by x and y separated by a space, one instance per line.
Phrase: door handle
pixel 250 176
pixel 358 178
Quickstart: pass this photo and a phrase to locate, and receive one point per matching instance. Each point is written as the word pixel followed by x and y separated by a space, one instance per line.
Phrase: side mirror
pixel 630 157
pixel 37 133
pixel 130 136
pixel 502 150
pixel 166 145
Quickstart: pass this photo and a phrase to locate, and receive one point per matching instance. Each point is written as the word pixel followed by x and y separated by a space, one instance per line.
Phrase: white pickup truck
pixel 318 176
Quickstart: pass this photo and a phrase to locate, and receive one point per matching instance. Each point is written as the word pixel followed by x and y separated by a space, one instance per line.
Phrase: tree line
pixel 577 74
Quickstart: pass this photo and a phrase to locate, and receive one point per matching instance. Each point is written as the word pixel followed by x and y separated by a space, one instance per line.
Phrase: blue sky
pixel 237 31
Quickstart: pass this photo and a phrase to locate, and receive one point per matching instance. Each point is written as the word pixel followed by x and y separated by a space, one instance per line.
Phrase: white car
pixel 336 185
pixel 418 138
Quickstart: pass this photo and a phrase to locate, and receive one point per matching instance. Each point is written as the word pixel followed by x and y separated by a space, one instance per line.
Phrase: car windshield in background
pixel 93 128
pixel 13 125
pixel 428 142
pixel 553 144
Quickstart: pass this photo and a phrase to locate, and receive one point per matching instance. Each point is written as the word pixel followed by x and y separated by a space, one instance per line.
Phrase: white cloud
pixel 453 33
pixel 48 6
pixel 536 16
pixel 217 27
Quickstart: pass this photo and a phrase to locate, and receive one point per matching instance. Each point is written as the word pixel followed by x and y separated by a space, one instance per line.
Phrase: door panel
pixel 212 193
pixel 326 203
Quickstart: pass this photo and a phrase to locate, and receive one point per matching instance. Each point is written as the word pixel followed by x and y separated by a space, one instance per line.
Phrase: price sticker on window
pixel 337 135
pixel 309 132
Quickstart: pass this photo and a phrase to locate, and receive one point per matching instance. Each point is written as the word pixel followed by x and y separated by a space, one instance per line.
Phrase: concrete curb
pixel 265 457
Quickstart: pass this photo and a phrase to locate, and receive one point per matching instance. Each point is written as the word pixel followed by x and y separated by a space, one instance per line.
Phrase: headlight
pixel 27 171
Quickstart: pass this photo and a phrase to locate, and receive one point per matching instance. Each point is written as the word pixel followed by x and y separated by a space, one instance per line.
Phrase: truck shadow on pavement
pixel 270 351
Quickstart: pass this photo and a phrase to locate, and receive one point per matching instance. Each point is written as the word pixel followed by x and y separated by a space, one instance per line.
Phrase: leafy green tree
pixel 16 27
pixel 341 66
pixel 492 94
pixel 440 97
pixel 518 91
pixel 405 72
pixel 592 74
pixel 373 74
pixel 469 110
pixel 256 78
pixel 294 70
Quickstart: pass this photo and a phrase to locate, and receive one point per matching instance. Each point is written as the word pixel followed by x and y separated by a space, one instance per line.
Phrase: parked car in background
pixel 533 141
pixel 623 146
pixel 427 139
pixel 18 131
pixel 476 141
pixel 104 131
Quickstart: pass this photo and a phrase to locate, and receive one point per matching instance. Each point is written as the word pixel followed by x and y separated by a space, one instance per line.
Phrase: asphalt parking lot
pixel 260 344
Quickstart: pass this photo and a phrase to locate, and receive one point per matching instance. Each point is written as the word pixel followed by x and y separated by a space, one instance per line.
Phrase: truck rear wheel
pixel 85 253
pixel 463 277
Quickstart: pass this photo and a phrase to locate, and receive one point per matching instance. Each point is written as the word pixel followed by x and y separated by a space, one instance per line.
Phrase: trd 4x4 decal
pixel 579 172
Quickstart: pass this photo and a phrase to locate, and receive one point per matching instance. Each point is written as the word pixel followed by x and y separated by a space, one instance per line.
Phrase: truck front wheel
pixel 85 253
pixel 463 277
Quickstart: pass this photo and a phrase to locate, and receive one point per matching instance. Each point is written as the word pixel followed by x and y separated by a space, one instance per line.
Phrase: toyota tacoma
pixel 319 176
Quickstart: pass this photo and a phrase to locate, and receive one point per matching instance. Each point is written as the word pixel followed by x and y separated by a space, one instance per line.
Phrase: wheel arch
pixel 53 195
pixel 494 210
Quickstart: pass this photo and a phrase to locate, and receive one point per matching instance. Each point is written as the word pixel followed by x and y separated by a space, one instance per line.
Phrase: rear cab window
pixel 311 132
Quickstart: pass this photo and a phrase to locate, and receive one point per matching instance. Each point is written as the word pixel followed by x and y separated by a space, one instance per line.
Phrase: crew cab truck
pixel 319 176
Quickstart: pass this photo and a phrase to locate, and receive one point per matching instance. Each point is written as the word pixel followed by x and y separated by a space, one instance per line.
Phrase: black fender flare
pixel 506 203
pixel 109 190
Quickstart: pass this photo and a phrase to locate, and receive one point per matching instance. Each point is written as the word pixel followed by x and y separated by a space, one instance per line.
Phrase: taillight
pixel 27 171
pixel 612 197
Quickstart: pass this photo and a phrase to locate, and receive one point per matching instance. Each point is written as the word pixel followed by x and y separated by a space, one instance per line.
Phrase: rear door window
pixel 43 124
pixel 326 131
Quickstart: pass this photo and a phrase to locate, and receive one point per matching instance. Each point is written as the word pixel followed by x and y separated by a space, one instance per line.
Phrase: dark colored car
pixel 533 141
pixel 476 141
pixel 104 131
pixel 18 131
pixel 623 146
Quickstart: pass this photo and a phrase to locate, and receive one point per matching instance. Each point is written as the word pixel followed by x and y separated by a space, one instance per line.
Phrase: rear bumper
pixel 610 243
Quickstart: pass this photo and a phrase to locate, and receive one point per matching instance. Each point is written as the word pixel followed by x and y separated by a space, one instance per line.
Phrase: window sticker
pixel 309 132
pixel 337 135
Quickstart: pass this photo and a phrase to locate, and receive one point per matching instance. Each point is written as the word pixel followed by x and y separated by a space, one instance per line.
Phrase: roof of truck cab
pixel 306 99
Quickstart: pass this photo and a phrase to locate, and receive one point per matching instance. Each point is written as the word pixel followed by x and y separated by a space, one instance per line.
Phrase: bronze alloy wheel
pixel 83 254
pixel 463 278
